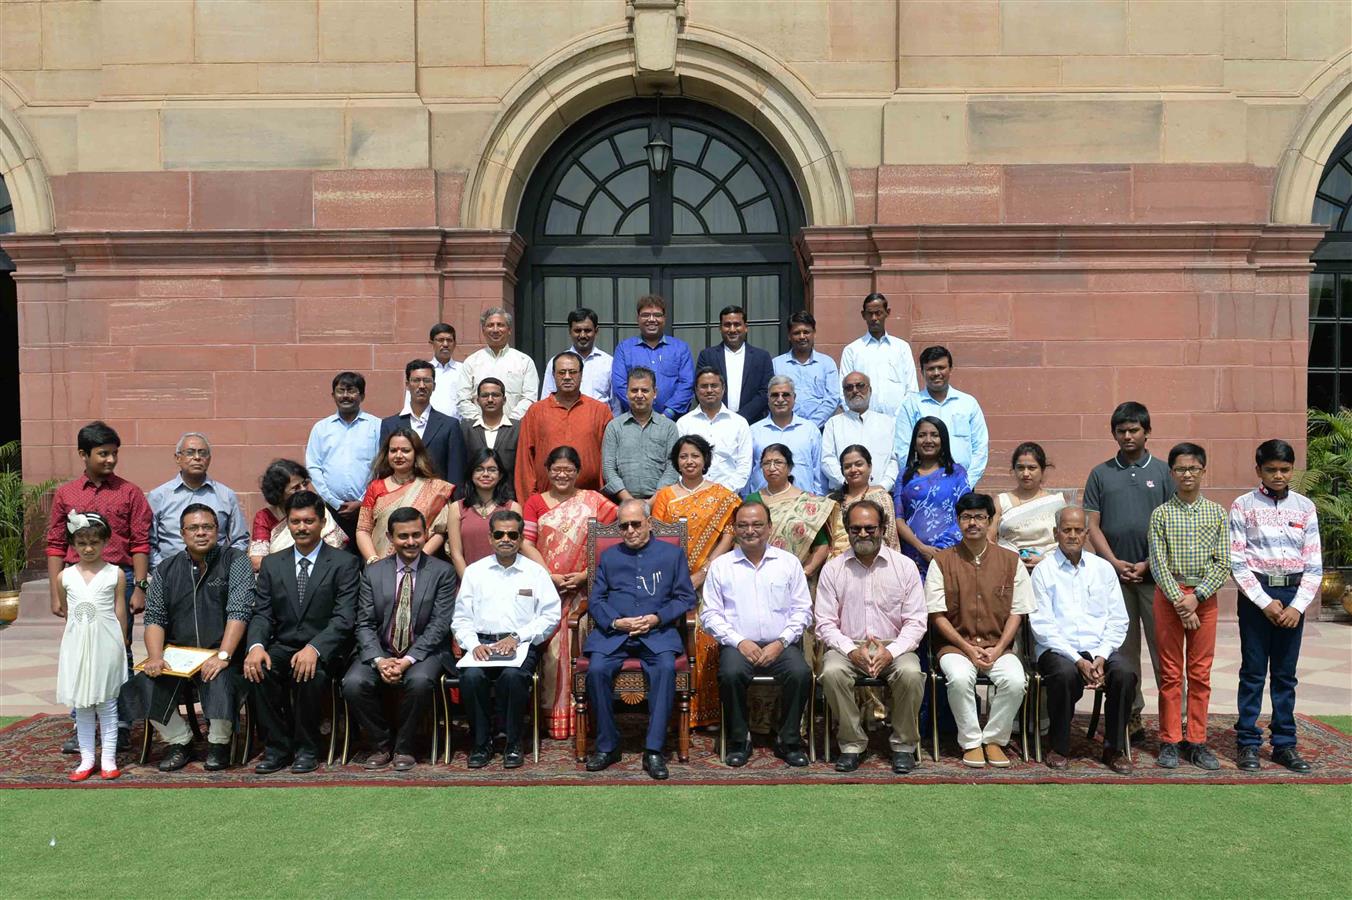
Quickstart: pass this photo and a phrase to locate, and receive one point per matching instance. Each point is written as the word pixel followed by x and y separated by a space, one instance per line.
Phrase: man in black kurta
pixel 199 597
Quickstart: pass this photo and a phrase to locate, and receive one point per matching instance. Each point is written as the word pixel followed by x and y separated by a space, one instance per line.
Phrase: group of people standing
pixel 832 524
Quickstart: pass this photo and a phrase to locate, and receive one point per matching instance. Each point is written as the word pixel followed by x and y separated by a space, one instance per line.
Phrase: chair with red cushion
pixel 630 685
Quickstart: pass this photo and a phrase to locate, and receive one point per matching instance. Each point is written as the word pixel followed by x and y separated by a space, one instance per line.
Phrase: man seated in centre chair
pixel 641 593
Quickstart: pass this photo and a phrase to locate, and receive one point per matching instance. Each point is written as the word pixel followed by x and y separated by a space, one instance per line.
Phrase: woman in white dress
pixel 1025 518
pixel 92 665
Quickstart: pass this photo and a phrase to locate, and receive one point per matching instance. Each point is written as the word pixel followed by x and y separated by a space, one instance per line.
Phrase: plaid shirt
pixel 122 506
pixel 1189 544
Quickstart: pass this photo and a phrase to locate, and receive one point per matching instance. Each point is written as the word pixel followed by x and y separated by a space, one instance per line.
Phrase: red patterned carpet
pixel 30 758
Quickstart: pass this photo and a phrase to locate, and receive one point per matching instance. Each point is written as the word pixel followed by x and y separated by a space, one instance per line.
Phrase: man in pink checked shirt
pixel 871 616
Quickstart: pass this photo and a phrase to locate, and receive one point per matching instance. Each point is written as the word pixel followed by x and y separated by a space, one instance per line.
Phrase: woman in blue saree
pixel 925 493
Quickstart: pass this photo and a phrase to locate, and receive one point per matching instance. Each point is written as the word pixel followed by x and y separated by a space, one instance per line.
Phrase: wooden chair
pixel 451 680
pixel 629 681
pixel 1027 709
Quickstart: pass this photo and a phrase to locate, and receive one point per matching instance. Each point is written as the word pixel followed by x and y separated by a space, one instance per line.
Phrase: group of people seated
pixel 451 537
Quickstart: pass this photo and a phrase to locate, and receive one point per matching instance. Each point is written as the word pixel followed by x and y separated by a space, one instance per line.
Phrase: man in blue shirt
pixel 653 349
pixel 642 590
pixel 967 436
pixel 816 380
pixel 340 452
pixel 787 427
pixel 192 485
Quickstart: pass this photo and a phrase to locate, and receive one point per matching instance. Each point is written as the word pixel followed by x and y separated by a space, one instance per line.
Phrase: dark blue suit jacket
pixel 757 371
pixel 443 440
pixel 653 580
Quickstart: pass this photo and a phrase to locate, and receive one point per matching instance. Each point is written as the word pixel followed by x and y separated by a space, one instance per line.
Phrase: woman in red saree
pixel 402 476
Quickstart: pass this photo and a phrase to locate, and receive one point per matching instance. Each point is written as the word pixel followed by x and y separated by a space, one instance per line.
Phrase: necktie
pixel 302 579
pixel 401 633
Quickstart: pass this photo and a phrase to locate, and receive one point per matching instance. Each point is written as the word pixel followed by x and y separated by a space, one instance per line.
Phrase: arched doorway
pixel 1330 361
pixel 602 228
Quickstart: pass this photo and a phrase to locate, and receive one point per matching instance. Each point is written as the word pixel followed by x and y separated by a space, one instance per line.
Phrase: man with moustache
pixel 816 379
pixel 492 429
pixel 439 432
pixel 636 448
pixel 745 369
pixel 445 369
pixel 968 438
pixel 655 350
pixel 193 485
pixel 568 418
pixel 884 358
pixel 497 359
pixel 860 423
pixel 727 432
pixel 340 451
pixel 785 426
pixel 583 324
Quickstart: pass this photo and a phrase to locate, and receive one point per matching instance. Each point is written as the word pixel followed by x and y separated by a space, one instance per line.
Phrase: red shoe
pixel 81 774
pixel 110 774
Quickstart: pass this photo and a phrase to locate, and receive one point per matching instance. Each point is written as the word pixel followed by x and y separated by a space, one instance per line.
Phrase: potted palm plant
pixel 1327 480
pixel 21 516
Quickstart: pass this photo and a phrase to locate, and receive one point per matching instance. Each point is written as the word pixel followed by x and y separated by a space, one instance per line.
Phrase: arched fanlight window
pixel 1330 360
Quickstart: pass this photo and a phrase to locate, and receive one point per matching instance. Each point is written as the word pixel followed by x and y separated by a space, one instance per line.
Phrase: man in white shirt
pixel 756 605
pixel 727 432
pixel 582 327
pixel 1078 626
pixel 885 359
pixel 444 368
pixel 513 368
pixel 504 601
pixel 860 423
pixel 968 439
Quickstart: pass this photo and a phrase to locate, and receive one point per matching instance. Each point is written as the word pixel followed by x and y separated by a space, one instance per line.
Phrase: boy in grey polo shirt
pixel 1119 498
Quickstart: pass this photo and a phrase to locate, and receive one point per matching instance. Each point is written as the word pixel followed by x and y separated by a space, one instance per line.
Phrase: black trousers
pixel 363 687
pixel 512 685
pixel 289 712
pixel 1065 687
pixel 790 672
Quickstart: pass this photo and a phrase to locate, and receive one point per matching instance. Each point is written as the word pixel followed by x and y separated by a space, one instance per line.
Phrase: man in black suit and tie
pixel 746 370
pixel 404 608
pixel 642 590
pixel 439 432
pixel 304 604
pixel 493 431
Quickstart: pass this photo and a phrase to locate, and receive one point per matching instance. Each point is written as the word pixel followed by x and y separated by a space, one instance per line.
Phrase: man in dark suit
pixel 301 631
pixel 439 432
pixel 493 425
pixel 746 370
pixel 642 590
pixel 404 608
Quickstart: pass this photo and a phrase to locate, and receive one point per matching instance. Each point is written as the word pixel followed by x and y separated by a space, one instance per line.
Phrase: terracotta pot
pixel 9 608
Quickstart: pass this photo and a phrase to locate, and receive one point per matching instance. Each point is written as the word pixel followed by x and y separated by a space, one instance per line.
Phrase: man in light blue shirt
pixel 885 359
pixel 816 380
pixel 967 436
pixel 667 356
pixel 340 452
pixel 582 326
pixel 785 426
pixel 193 485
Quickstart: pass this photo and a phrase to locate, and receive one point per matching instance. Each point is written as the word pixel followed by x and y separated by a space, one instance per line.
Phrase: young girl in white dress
pixel 93 662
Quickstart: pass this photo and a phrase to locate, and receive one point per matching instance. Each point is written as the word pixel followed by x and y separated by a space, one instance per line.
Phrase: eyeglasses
pixel 194 453
pixel 773 463
pixel 628 526
pixel 422 381
pixel 563 471
pixel 973 518
pixel 509 535
pixel 1188 470
pixel 198 529
pixel 862 529
pixel 855 388
pixel 487 470
pixel 749 526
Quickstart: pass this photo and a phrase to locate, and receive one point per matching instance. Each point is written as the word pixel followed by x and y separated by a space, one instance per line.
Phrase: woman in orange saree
pixel 707 508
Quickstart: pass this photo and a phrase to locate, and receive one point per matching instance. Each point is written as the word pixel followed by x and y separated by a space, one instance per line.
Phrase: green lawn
pixel 1047 840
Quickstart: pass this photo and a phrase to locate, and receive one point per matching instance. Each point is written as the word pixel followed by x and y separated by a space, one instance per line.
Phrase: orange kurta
pixel 549 424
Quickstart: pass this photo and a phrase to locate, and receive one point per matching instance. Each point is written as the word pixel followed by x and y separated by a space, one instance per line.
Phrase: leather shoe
pixel 305 763
pixel 218 757
pixel 272 761
pixel 513 758
pixel 175 758
pixel 655 765
pixel 848 762
pixel 738 757
pixel 795 756
pixel 72 744
pixel 1118 762
pixel 479 757
pixel 403 762
pixel 378 760
pixel 1287 756
pixel 1055 760
pixel 598 760
pixel 1248 760
pixel 903 762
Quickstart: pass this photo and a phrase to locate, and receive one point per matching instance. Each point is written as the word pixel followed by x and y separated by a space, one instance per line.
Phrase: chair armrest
pixel 691 619
pixel 574 625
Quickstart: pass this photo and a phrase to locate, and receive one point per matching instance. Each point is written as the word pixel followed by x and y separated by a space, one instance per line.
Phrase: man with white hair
pixel 860 423
pixel 516 370
pixel 193 485
pixel 784 426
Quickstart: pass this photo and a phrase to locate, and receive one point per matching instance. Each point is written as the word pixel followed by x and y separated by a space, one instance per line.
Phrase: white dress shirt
pixel 761 603
pixel 443 392
pixel 1079 608
pixel 968 438
pixel 890 368
pixel 871 428
pixel 734 361
pixel 419 423
pixel 513 368
pixel 498 599
pixel 730 437
pixel 596 368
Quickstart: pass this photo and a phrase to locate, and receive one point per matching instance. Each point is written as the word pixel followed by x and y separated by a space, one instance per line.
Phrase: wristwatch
pixel 143 584
pixel 783 643
pixel 223 656
pixel 514 636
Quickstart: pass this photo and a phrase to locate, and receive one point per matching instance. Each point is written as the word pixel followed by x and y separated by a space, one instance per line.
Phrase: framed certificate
pixel 182 662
